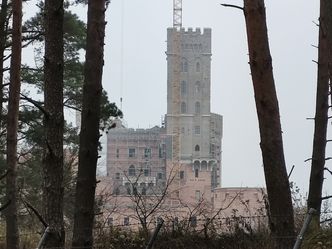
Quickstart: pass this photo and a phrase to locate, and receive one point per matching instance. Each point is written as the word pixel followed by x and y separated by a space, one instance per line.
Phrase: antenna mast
pixel 177 14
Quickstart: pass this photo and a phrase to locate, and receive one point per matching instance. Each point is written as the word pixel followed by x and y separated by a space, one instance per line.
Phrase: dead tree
pixel 321 117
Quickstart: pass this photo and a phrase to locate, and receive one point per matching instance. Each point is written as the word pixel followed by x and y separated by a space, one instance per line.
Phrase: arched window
pixel 131 170
pixel 198 67
pixel 183 107
pixel 197 147
pixel 197 107
pixel 197 87
pixel 183 88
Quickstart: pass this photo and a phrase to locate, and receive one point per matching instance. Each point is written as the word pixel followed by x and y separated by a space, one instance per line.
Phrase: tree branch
pixel 36 104
pixel 232 6
pixel 326 197
pixel 35 211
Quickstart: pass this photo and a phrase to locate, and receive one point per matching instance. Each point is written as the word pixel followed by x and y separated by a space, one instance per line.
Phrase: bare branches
pixel 35 211
pixel 232 6
pixel 326 197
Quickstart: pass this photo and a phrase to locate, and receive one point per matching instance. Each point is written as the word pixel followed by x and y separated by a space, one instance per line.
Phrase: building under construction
pixel 183 155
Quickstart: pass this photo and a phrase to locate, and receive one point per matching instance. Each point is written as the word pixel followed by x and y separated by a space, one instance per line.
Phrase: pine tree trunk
pixel 53 123
pixel 3 36
pixel 279 195
pixel 12 234
pixel 89 136
pixel 321 116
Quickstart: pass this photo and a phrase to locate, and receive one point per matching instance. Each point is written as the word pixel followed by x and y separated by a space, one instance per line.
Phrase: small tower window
pixel 198 67
pixel 197 107
pixel 183 107
pixel 197 87
pixel 197 147
pixel 183 88
pixel 184 65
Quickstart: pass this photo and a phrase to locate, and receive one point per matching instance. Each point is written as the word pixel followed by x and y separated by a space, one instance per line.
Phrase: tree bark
pixel 12 235
pixel 3 38
pixel 321 116
pixel 279 195
pixel 89 136
pixel 53 123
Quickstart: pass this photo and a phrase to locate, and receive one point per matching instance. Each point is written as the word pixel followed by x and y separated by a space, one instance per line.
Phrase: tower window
pixel 183 107
pixel 197 107
pixel 198 67
pixel 183 88
pixel 184 65
pixel 197 87
pixel 197 147
pixel 117 153
pixel 181 174
pixel 197 130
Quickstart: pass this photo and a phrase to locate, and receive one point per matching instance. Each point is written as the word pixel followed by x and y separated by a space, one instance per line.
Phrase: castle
pixel 176 167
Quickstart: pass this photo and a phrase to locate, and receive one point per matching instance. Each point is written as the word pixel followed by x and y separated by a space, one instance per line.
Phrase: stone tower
pixel 200 130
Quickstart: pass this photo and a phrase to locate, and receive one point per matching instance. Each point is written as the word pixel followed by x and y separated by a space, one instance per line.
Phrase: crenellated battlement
pixel 191 31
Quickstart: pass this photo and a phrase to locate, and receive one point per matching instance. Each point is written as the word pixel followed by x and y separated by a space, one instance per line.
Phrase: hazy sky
pixel 135 69
pixel 138 29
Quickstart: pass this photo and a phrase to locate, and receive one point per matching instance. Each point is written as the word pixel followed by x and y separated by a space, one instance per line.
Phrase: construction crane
pixel 176 79
pixel 177 14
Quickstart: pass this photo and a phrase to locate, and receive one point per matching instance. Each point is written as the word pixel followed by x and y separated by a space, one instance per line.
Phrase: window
pixel 197 130
pixel 193 221
pixel 126 221
pixel 117 153
pixel 197 195
pixel 198 67
pixel 183 107
pixel 147 152
pixel 131 152
pixel 160 175
pixel 146 172
pixel 183 88
pixel 131 170
pixel 184 65
pixel 117 176
pixel 197 107
pixel 196 173
pixel 197 147
pixel 197 87
pixel 181 174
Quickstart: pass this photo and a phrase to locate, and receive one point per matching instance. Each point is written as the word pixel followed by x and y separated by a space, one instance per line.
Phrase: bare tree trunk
pixel 279 195
pixel 53 122
pixel 321 116
pixel 12 235
pixel 89 136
